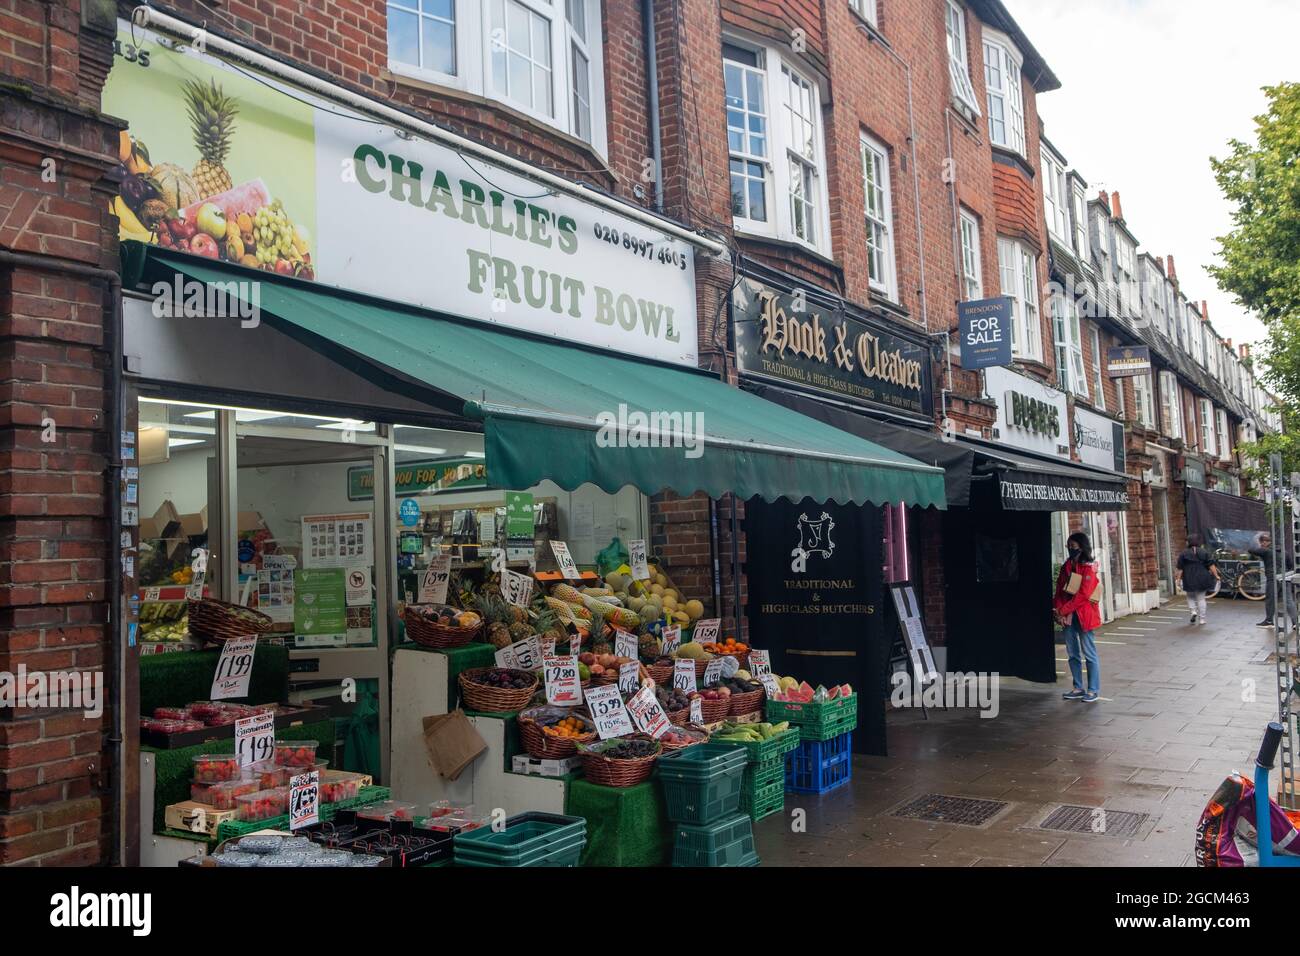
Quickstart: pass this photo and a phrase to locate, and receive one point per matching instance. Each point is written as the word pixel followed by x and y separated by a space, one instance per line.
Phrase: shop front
pixel 1099 442
pixel 1157 477
pixel 370 423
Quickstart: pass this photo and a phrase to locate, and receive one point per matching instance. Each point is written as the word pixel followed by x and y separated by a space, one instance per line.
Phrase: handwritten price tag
pixel 565 560
pixel 516 588
pixel 528 653
pixel 563 686
pixel 713 670
pixel 697 710
pixel 672 639
pixel 637 559
pixel 433 586
pixel 760 662
pixel 771 685
pixel 707 630
pixel 304 800
pixel 629 677
pixel 255 738
pixel 506 657
pixel 608 712
pixel 234 668
pixel 624 644
pixel 647 714
pixel 684 676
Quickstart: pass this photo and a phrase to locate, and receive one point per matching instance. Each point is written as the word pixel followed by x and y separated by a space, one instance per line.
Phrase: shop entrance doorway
pixel 1164 550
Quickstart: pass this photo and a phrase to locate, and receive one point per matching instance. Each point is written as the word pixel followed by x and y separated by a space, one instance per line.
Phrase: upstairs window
pixel 1080 223
pixel 1055 197
pixel 1005 97
pixel 971 263
pixel 1171 408
pixel 1098 391
pixel 1142 397
pixel 1018 269
pixel 1069 345
pixel 880 233
pixel 747 133
pixel 1221 434
pixel 1208 444
pixel 963 90
pixel 866 9
pixel 540 57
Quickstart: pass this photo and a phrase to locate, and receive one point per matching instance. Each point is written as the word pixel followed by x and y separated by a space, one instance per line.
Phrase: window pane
pixel 581 95
pixel 439 46
pixel 576 11
pixel 520 80
pixel 403 36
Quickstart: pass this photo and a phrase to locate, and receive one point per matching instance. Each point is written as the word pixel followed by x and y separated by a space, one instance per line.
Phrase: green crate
pixel 764 802
pixel 237 828
pixel 764 750
pixel 760 775
pixel 817 720
pixel 702 783
pixel 729 842
pixel 526 836
pixel 565 851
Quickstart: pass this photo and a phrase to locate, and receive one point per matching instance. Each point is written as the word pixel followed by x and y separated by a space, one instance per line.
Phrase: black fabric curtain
pixel 1212 512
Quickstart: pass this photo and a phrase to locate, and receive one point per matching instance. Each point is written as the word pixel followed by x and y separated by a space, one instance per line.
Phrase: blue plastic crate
pixel 819 766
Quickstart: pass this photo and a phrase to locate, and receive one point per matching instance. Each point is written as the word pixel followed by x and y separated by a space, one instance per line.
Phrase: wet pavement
pixel 1181 707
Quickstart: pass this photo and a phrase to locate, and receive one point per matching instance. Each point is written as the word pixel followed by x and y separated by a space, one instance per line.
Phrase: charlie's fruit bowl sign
pixel 248 170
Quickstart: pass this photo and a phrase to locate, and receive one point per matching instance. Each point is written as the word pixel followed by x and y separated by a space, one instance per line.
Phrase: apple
pixel 212 220
pixel 587 659
pixel 204 245
pixel 182 228
pixel 283 267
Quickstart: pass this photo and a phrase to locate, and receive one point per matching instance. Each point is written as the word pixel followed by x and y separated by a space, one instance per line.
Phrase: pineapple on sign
pixel 212 117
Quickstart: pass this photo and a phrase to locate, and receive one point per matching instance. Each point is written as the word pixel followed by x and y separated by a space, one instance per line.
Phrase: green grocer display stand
pixel 626 826
pixel 459 659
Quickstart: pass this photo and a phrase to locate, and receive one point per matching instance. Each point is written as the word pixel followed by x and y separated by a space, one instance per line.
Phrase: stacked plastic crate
pixel 823 761
pixel 702 786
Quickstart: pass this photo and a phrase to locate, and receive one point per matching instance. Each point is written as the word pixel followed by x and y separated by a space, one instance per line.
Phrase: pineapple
pixel 496 613
pixel 212 117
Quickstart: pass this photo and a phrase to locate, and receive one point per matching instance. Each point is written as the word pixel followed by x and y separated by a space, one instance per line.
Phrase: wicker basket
pixel 494 700
pixel 542 745
pixel 700 668
pixel 607 772
pixel 746 703
pixel 661 674
pixel 700 733
pixel 680 718
pixel 217 622
pixel 715 710
pixel 432 634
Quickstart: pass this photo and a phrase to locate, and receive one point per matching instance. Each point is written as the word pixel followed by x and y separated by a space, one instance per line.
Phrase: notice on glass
pixel 608 712
pixel 320 606
pixel 563 685
pixel 338 541
pixel 275 587
pixel 234 668
pixel 647 714
pixel 434 581
pixel 636 551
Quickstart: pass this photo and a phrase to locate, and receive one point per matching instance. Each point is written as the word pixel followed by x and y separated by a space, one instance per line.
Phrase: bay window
pixel 963 90
pixel 1006 102
pixel 971 263
pixel 1018 271
pixel 775 147
pixel 880 233
pixel 1069 345
pixel 540 57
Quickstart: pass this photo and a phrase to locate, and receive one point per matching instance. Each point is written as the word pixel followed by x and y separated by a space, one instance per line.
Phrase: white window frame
pixel 766 226
pixel 1069 344
pixel 1003 86
pixel 1098 380
pixel 1171 405
pixel 972 265
pixel 777 72
pixel 1221 434
pixel 1144 398
pixel 1080 222
pixel 1156 297
pixel 875 164
pixel 1208 443
pixel 866 9
pixel 473 32
pixel 1126 266
pixel 1018 275
pixel 1055 198
pixel 963 90
pixel 1212 347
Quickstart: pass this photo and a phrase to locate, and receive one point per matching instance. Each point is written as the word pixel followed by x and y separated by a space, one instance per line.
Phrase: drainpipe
pixel 652 76
pixel 112 568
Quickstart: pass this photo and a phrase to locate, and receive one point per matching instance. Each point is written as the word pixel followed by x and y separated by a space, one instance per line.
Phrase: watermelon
pixel 805 691
pixel 247 197
pixel 833 693
pixel 846 690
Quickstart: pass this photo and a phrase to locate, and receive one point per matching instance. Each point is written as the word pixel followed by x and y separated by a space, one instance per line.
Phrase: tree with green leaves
pixel 1261 255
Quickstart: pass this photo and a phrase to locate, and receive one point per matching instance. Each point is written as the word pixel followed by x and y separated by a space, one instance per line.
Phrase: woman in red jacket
pixel 1080 617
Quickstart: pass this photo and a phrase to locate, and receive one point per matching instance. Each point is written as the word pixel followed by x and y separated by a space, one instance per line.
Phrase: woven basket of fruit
pixel 730 648
pixel 553 733
pixel 620 763
pixel 660 672
pixel 496 689
pixel 715 709
pixel 683 736
pixel 745 701
pixel 217 622
pixel 436 626
pixel 675 703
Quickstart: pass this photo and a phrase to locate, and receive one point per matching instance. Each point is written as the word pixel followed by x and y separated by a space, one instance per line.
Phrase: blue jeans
pixel 1080 646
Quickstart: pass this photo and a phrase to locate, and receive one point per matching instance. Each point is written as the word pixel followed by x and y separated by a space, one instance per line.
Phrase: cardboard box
pixel 194 525
pixel 196 817
pixel 534 766
pixel 167 520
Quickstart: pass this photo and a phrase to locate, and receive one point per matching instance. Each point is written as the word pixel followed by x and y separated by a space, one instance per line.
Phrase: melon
pixel 846 690
pixel 247 197
pixel 833 693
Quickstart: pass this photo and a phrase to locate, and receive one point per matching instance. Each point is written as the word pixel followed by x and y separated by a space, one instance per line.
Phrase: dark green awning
pixel 549 409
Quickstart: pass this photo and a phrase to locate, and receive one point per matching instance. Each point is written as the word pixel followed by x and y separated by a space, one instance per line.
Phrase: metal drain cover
pixel 1070 819
pixel 942 808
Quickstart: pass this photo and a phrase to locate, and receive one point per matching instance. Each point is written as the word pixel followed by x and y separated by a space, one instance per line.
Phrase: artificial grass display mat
pixel 174 769
pixel 173 680
pixel 626 826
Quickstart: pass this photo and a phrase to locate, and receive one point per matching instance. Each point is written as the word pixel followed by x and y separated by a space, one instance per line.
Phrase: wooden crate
pixel 196 817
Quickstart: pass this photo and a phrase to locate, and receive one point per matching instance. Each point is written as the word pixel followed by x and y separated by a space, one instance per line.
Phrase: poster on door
pixel 338 541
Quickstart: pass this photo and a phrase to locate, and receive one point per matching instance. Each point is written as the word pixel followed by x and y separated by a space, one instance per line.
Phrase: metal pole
pixel 1278 499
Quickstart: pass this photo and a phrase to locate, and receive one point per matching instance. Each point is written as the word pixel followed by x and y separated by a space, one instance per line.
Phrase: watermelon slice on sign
pixel 247 197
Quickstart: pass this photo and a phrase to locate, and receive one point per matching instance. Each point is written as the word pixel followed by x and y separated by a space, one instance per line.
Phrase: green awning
pixel 549 410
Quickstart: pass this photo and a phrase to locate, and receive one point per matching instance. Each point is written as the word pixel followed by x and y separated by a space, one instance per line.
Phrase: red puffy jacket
pixel 1067 605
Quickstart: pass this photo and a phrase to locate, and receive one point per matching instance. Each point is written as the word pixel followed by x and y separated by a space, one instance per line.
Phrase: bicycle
pixel 1240 578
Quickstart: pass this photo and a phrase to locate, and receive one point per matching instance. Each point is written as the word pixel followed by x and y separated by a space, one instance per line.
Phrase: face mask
pixel 1075 552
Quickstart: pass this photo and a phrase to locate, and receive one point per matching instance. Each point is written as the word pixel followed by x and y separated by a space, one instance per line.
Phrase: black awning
pixel 1212 513
pixel 1033 484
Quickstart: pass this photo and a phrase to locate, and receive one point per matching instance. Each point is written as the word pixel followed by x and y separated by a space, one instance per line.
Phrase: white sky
pixel 1150 89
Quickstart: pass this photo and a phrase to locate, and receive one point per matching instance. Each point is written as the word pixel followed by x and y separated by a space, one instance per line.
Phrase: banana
pixel 131 226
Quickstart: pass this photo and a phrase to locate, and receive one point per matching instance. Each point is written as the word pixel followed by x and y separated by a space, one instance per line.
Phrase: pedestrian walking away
pixel 1264 551
pixel 1198 573
pixel 1076 605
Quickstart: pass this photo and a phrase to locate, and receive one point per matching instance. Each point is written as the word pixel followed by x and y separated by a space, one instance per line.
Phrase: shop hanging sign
pixel 344 194
pixel 420 477
pixel 234 669
pixel 1098 440
pixel 985 330
pixel 1128 360
pixel 788 338
pixel 608 713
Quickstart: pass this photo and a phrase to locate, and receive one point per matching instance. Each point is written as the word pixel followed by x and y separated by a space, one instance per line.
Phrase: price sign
pixel 647 714
pixel 637 559
pixel 563 686
pixel 565 560
pixel 304 800
pixel 234 667
pixel 608 712
pixel 624 644
pixel 516 588
pixel 199 565
pixel 575 641
pixel 629 677
pixel 152 594
pixel 528 653
pixel 433 586
pixel 697 710
pixel 684 676
pixel 713 670
pixel 255 738
pixel 506 658
pixel 548 647
pixel 760 662
pixel 672 639
pixel 707 630
pixel 770 684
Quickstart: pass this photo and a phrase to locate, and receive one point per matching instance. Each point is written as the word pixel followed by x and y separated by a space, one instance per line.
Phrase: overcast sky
pixel 1150 89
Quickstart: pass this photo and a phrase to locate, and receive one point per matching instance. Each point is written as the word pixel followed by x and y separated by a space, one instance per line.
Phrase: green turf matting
pixel 173 680
pixel 626 826
pixel 174 769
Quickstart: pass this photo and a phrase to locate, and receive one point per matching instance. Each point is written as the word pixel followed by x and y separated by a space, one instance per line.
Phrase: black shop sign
pixel 800 341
